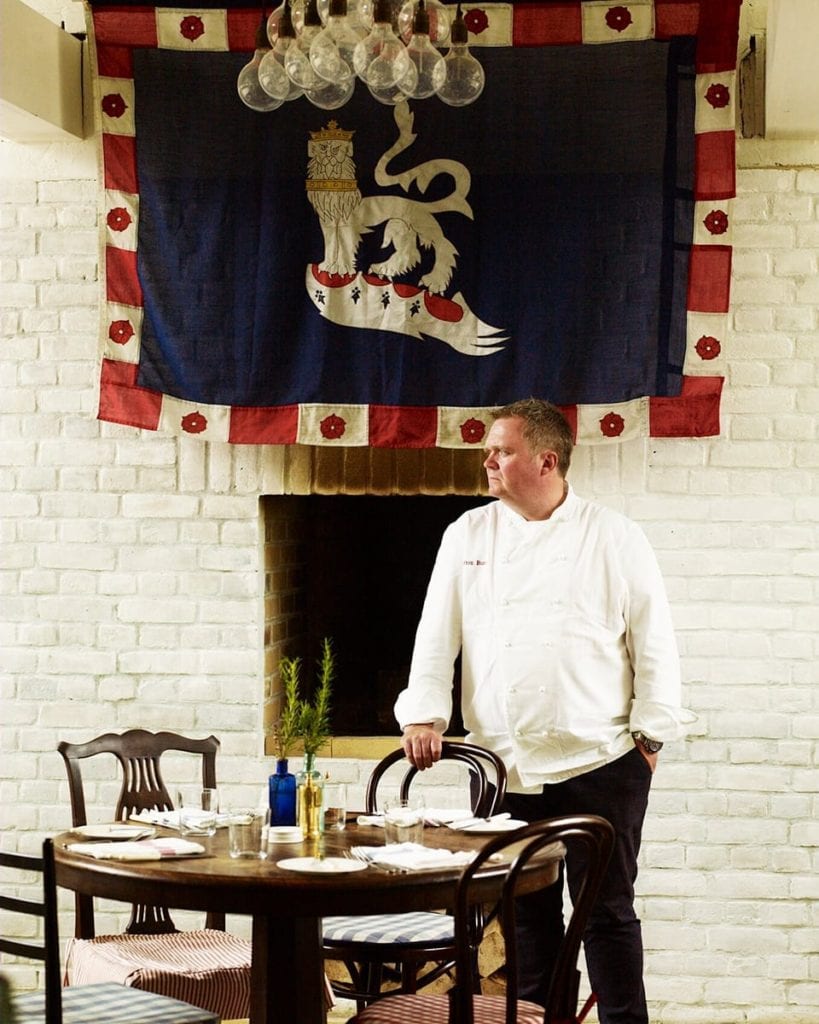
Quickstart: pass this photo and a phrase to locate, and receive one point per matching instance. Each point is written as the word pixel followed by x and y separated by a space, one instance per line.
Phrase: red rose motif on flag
pixel 191 27
pixel 120 331
pixel 718 96
pixel 472 430
pixel 332 426
pixel 118 219
pixel 717 222
pixel 194 423
pixel 708 347
pixel 113 105
pixel 612 425
pixel 618 18
pixel 476 21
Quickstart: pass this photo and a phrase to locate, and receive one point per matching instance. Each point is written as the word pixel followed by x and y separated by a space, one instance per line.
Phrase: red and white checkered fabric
pixel 207 968
pixel 434 1009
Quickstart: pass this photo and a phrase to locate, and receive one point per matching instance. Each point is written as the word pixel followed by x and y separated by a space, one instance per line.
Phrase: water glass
pixel 197 810
pixel 404 820
pixel 335 805
pixel 247 832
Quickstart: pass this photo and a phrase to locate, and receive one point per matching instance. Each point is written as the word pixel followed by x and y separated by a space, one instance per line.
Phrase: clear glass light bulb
pixel 249 88
pixel 297 60
pixel 272 26
pixel 430 65
pixel 359 14
pixel 273 78
pixel 331 52
pixel 331 95
pixel 402 89
pixel 439 21
pixel 380 59
pixel 464 75
pixel 426 59
pixel 285 35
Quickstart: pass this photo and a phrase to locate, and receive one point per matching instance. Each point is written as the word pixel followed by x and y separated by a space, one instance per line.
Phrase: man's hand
pixel 651 758
pixel 422 745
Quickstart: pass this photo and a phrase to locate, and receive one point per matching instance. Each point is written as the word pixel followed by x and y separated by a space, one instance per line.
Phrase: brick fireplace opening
pixel 350 559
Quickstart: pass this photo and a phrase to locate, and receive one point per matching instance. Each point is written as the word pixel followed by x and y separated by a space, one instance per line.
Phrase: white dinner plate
pixel 490 827
pixel 327 866
pixel 117 830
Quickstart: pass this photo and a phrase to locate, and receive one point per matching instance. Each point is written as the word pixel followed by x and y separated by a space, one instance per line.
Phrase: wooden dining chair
pixel 378 947
pixel 104 1003
pixel 208 967
pixel 541 839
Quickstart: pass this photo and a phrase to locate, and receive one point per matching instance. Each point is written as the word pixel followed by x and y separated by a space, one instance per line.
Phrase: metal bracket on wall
pixel 752 89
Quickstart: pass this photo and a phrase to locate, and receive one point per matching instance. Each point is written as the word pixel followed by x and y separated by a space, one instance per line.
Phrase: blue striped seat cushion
pixel 111 1004
pixel 414 929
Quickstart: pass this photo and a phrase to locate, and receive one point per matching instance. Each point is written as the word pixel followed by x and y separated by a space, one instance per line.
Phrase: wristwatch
pixel 650 746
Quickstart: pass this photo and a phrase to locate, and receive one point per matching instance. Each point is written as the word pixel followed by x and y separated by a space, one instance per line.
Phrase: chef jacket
pixel 566 639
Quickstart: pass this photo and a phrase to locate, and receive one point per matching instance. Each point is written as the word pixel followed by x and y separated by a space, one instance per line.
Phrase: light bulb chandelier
pixel 318 48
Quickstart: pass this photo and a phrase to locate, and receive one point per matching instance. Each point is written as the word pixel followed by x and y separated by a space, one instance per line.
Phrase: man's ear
pixel 548 462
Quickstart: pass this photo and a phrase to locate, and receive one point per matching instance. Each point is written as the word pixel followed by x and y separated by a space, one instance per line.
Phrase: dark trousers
pixel 613 940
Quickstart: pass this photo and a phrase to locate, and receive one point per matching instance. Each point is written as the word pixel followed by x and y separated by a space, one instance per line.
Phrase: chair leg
pixel 409 978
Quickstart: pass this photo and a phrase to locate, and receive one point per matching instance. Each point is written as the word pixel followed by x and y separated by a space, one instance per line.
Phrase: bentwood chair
pixel 208 967
pixel 381 947
pixel 462 1005
pixel 103 1004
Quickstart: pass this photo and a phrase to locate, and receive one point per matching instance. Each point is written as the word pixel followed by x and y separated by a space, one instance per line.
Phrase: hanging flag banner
pixel 383 275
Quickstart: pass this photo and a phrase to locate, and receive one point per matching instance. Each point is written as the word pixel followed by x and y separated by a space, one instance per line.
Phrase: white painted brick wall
pixel 130 588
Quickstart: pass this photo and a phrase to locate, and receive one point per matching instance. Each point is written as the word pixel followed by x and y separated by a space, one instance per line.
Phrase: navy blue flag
pixel 383 275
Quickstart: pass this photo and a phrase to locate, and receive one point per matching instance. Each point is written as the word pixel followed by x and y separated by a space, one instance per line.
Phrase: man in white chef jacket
pixel 569 672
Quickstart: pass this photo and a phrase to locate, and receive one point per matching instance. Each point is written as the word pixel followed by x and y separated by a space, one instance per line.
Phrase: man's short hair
pixel 544 427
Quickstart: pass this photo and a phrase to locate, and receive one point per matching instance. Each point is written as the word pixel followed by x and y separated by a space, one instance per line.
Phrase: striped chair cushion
pixel 111 1004
pixel 207 968
pixel 421 929
pixel 434 1009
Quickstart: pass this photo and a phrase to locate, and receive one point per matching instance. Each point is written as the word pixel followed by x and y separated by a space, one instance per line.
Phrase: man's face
pixel 513 472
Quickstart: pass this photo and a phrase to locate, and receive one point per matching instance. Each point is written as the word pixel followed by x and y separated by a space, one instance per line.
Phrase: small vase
pixel 310 799
pixel 282 790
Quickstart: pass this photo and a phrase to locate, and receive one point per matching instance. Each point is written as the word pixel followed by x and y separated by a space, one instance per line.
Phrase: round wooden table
pixel 287 972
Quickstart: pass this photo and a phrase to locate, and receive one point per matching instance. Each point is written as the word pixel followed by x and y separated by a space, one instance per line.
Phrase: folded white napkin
pixel 371 819
pixel 466 823
pixel 445 815
pixel 170 819
pixel 412 856
pixel 143 849
pixel 432 816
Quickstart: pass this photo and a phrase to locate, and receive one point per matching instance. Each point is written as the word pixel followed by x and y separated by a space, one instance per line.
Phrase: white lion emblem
pixel 371 298
pixel 345 216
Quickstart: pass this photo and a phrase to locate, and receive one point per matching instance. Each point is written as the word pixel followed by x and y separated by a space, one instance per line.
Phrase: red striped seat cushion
pixel 207 968
pixel 434 1009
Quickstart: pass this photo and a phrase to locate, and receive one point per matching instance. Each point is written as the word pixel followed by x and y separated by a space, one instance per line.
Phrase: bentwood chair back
pixel 541 839
pixel 382 947
pixel 104 1003
pixel 208 967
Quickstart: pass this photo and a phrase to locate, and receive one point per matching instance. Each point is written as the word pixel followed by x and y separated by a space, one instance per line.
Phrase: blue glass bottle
pixel 282 790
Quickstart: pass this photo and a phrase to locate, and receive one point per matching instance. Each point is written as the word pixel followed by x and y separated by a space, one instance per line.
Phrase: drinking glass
pixel 335 805
pixel 404 820
pixel 198 810
pixel 247 832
